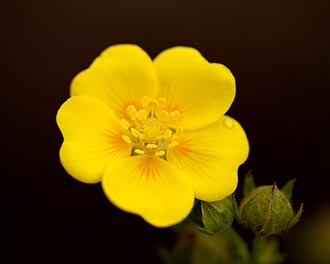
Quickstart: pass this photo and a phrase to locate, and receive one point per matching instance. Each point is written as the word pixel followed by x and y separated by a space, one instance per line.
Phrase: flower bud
pixel 267 210
pixel 212 217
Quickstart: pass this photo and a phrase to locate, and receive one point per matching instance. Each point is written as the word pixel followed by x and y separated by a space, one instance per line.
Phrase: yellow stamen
pixel 168 133
pixel 160 138
pixel 132 112
pixel 151 127
pixel 162 102
pixel 126 139
pixel 138 151
pixel 163 116
pixel 153 104
pixel 142 115
pixel 145 101
pixel 125 124
pixel 173 144
pixel 135 133
pixel 179 130
pixel 175 116
pixel 151 146
pixel 160 153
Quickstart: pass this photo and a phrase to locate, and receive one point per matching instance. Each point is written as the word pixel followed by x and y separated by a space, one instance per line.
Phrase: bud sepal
pixel 213 217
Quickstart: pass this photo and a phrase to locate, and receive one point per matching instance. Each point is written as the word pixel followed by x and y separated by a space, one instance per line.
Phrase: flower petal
pixel 150 187
pixel 200 90
pixel 122 75
pixel 211 156
pixel 92 138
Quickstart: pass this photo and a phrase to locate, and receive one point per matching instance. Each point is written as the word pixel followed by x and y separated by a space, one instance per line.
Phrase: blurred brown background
pixel 277 50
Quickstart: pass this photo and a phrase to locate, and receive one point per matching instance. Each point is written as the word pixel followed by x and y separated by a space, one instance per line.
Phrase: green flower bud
pixel 267 210
pixel 212 217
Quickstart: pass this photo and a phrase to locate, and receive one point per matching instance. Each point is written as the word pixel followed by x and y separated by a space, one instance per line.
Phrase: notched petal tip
pixel 200 90
pixel 120 76
pixel 75 168
pixel 150 187
pixel 92 138
pixel 181 52
pixel 211 156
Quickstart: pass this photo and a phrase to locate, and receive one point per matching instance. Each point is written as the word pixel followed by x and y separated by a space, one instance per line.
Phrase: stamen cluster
pixel 152 129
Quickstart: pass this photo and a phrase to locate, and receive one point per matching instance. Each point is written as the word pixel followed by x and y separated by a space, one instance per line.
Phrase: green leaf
pixel 287 189
pixel 248 184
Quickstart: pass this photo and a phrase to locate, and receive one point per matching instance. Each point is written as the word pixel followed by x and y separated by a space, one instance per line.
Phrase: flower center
pixel 152 129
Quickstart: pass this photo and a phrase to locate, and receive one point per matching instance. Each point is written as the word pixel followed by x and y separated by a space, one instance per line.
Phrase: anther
pixel 151 146
pixel 135 133
pixel 126 139
pixel 160 138
pixel 162 102
pixel 153 104
pixel 175 115
pixel 145 101
pixel 173 144
pixel 160 153
pixel 179 130
pixel 142 115
pixel 163 115
pixel 125 124
pixel 139 151
pixel 132 112
pixel 168 133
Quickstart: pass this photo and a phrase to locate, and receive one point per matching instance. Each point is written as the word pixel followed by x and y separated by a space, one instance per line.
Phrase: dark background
pixel 277 50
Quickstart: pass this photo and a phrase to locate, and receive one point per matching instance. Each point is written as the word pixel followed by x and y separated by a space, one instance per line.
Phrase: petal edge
pixel 212 156
pixel 122 75
pixel 150 187
pixel 92 138
pixel 200 90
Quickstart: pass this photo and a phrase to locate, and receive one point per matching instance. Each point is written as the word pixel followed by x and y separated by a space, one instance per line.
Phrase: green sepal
pixel 287 189
pixel 249 184
pixel 296 219
pixel 195 215
pixel 213 217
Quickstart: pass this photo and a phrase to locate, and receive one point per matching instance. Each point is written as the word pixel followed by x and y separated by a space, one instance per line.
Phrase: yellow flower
pixel 153 132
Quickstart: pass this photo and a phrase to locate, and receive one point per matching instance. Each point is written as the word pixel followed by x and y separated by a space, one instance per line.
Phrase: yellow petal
pixel 122 75
pixel 200 90
pixel 92 138
pixel 150 187
pixel 211 157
